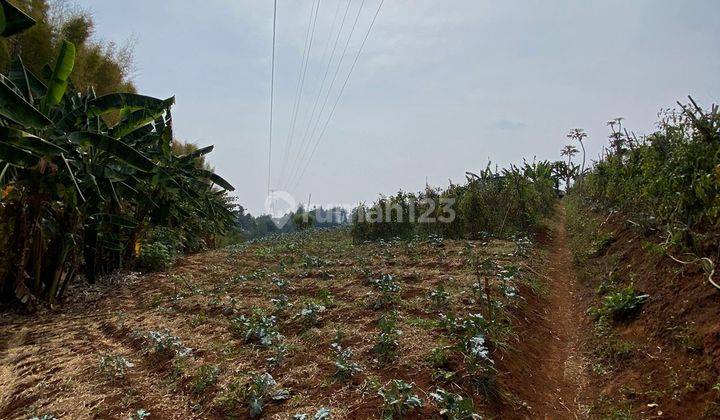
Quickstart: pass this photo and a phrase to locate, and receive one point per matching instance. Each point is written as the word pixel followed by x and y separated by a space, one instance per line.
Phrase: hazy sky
pixel 440 88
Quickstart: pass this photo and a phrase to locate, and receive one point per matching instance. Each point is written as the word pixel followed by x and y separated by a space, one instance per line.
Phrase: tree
pixel 569 150
pixel 579 134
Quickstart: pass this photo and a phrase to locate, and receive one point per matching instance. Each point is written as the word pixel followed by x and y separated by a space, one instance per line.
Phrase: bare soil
pixel 49 361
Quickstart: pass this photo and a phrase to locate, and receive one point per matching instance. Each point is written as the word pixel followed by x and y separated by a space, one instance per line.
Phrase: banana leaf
pixel 127 101
pixel 136 120
pixel 59 79
pixel 13 20
pixel 17 156
pixel 21 139
pixel 114 147
pixel 215 178
pixel 14 107
pixel 196 154
pixel 28 83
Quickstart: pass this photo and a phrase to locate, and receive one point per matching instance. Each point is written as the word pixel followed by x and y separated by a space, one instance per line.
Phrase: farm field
pixel 190 342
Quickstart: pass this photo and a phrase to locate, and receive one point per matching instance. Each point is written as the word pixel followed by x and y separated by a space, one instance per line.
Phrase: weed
pixel 206 376
pixel 621 305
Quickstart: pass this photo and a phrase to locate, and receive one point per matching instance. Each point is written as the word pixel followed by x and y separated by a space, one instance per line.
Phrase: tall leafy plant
pixel 79 191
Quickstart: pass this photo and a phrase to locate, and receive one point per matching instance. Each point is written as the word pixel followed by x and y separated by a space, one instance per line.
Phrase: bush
pixel 155 256
pixel 500 203
pixel 670 177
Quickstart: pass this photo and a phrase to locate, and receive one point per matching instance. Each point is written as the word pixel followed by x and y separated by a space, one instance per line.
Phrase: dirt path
pixel 560 370
pixel 565 364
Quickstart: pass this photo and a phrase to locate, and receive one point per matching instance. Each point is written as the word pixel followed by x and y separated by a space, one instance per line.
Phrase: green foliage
pixel 155 256
pixel 322 414
pixel 398 399
pixel 500 203
pixel 310 314
pixel 114 366
pixel 140 414
pixel 621 305
pixel 205 377
pixel 164 344
pixel 257 328
pixel 454 406
pixel 259 390
pixel 345 367
pixel 388 341
pixel 670 177
pixel 388 291
pixel 85 178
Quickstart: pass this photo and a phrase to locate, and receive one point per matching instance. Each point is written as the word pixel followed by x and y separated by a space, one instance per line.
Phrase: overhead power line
pixel 332 111
pixel 272 95
pixel 309 36
pixel 325 75
pixel 304 149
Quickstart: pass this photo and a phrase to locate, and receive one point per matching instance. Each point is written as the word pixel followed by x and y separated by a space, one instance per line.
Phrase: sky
pixel 439 88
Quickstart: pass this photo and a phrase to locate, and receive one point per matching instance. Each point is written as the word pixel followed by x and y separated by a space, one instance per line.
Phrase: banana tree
pixel 77 191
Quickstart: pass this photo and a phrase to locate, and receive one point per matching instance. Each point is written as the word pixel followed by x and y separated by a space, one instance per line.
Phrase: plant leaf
pixel 115 147
pixel 16 156
pixel 21 139
pixel 13 20
pixel 16 108
pixel 60 75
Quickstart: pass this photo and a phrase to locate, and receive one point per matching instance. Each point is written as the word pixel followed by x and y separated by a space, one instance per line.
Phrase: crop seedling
pixel 140 414
pixel 439 298
pixel 258 328
pixel 389 291
pixel 345 367
pixel 398 399
pixel 322 414
pixel 164 344
pixel 280 350
pixel 115 366
pixel 310 314
pixel 281 303
pixel 454 406
pixel 310 261
pixel 260 388
pixel 388 340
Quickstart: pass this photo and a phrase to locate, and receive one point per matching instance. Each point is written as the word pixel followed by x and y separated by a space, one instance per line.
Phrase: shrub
pixel 155 256
pixel 668 179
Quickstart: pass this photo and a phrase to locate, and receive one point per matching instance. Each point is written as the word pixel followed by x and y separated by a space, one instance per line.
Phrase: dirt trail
pixel 565 365
pixel 562 365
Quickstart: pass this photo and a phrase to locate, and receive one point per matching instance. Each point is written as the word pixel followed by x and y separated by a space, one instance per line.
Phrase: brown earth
pixel 664 362
pixel 549 366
